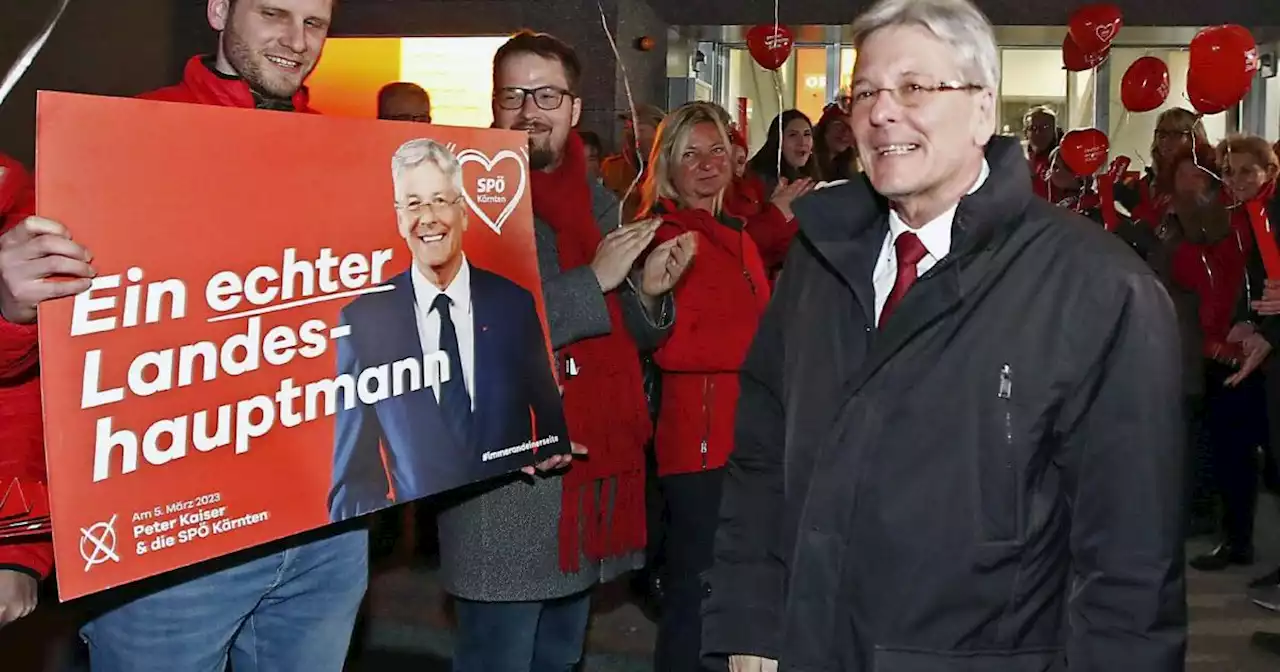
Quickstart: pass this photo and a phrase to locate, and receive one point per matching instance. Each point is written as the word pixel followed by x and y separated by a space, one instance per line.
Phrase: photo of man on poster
pixel 497 406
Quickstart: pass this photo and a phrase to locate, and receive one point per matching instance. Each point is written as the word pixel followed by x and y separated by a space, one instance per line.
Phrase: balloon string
pixel 777 87
pixel 19 67
pixel 1195 151
pixel 631 108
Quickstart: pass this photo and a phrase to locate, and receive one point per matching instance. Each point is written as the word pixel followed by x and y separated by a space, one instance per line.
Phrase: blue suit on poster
pixel 402 447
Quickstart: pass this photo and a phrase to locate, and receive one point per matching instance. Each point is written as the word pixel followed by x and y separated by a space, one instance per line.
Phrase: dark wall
pixel 1001 12
pixel 118 47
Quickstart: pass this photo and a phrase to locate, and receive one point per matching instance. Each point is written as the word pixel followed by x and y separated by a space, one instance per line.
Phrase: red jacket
pixel 745 196
pixel 21 430
pixel 1215 272
pixel 202 84
pixel 720 300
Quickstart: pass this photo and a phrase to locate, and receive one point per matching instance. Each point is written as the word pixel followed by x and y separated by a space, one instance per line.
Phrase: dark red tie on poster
pixel 910 251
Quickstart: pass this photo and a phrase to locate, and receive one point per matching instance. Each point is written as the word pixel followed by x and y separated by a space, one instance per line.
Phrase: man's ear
pixel 984 118
pixel 219 13
pixel 577 111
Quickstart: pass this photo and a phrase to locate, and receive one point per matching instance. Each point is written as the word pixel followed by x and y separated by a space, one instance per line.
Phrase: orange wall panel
pixel 347 79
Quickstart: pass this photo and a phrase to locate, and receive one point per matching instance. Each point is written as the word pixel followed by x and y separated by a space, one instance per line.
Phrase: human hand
pixel 18 595
pixel 667 263
pixel 617 253
pixel 788 191
pixel 556 461
pixel 32 256
pixel 1256 349
pixel 1239 332
pixel 1269 304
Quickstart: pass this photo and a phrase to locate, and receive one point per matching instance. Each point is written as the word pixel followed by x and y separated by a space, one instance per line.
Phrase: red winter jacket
pixel 1216 273
pixel 21 430
pixel 745 196
pixel 202 83
pixel 720 300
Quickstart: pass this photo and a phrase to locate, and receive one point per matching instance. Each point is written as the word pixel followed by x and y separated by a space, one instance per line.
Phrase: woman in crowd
pixel 1250 169
pixel 1041 132
pixel 798 158
pixel 1211 260
pixel 1176 129
pixel 833 145
pixel 773 233
pixel 720 300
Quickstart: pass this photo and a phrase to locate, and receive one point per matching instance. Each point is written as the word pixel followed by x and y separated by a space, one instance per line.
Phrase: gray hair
pixel 957 23
pixel 425 150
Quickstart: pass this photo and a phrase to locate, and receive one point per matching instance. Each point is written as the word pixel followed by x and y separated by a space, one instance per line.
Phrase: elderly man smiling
pixel 959 445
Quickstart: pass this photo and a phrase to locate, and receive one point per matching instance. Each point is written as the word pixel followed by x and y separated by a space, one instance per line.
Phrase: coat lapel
pixel 932 298
pixel 402 340
pixel 483 318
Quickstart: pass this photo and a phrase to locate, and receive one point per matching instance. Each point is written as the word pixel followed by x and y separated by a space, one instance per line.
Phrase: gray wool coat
pixel 499 540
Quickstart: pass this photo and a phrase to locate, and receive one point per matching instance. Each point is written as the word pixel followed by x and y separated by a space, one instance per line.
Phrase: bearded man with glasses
pixel 959 441
pixel 521 554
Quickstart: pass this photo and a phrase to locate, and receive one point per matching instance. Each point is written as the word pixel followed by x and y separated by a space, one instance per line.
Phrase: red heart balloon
pixel 1076 60
pixel 770 47
pixel 1223 62
pixel 1084 150
pixel 1145 85
pixel 1093 27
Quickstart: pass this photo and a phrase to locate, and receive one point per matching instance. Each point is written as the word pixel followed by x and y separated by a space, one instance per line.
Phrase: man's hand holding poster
pixel 345 318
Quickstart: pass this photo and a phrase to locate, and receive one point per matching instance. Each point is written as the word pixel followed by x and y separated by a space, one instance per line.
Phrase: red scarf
pixel 604 404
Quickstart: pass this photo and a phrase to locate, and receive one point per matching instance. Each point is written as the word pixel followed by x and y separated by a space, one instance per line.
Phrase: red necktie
pixel 910 251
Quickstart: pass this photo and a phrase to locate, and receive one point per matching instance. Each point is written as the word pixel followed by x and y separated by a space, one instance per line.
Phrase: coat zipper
pixel 742 259
pixel 1006 396
pixel 707 387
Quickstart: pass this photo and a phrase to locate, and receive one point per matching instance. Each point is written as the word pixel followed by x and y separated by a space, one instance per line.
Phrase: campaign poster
pixel 296 320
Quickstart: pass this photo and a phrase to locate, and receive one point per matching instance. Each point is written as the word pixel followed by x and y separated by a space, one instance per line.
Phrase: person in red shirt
pixel 289 606
pixel 24 561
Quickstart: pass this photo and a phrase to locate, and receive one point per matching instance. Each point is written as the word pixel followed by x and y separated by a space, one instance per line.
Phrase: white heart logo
pixel 476 156
pixel 1105 31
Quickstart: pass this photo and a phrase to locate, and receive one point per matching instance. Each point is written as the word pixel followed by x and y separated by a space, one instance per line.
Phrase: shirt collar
pixel 458 291
pixel 936 234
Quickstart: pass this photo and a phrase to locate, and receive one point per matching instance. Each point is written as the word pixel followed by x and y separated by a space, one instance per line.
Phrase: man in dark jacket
pixel 960 443
pixel 286 606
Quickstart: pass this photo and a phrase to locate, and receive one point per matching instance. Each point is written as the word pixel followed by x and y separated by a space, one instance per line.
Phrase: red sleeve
pixel 711 334
pixel 34 557
pixel 17 201
pixel 772 234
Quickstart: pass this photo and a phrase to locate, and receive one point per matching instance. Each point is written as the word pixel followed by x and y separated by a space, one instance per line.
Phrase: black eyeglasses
pixel 545 97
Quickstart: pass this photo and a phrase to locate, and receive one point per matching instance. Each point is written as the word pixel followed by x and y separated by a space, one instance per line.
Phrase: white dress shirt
pixel 935 235
pixel 459 292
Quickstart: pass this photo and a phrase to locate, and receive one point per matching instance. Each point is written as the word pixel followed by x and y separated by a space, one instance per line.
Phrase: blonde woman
pixel 1177 130
pixel 720 300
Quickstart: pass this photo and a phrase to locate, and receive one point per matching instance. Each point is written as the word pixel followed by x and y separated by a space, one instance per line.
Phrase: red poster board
pixel 252 361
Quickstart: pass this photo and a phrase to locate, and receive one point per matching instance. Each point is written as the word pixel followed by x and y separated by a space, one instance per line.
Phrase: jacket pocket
pixel 997 468
pixel 1038 660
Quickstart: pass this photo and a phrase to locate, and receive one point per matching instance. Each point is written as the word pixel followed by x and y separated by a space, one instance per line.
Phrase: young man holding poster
pixel 521 555
pixel 23 561
pixel 287 606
